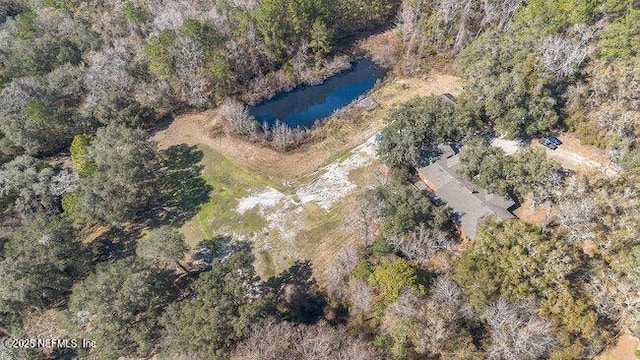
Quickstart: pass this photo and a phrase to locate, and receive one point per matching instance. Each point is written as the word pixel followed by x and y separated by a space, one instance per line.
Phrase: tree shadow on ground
pixel 298 294
pixel 182 190
pixel 116 243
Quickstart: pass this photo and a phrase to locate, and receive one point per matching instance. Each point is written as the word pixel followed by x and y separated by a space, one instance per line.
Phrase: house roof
pixel 468 202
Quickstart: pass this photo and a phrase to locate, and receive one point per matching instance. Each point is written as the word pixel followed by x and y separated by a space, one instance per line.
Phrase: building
pixel 468 203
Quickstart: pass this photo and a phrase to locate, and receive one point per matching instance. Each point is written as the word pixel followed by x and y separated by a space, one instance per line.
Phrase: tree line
pixel 88 79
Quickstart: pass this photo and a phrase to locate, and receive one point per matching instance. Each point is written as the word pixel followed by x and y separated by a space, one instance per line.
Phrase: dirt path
pixel 305 217
pixel 623 350
pixel 578 157
pixel 339 135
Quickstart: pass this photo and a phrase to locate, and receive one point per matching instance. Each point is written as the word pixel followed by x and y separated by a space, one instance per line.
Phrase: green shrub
pixel 79 155
pixel 157 51
pixel 135 14
pixel 24 25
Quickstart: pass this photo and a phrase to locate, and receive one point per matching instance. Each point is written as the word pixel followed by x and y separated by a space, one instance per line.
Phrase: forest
pixel 85 85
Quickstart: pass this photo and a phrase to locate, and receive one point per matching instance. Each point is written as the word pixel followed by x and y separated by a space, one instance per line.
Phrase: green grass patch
pixel 269 268
pixel 341 156
pixel 230 183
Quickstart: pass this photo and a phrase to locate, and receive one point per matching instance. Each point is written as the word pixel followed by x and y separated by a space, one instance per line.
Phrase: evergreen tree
pixel 124 175
pixel 118 306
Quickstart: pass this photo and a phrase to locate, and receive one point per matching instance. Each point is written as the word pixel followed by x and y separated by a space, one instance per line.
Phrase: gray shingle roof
pixel 469 203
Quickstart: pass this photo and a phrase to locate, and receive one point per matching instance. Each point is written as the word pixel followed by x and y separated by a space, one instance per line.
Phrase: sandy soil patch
pixel 533 215
pixel 578 157
pixel 283 213
pixel 266 199
pixel 338 135
pixel 623 350
pixel 278 209
pixel 334 183
pixel 509 147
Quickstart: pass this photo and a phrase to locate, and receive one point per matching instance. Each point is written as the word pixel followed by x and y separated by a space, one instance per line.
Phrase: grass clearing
pixel 296 227
pixel 230 183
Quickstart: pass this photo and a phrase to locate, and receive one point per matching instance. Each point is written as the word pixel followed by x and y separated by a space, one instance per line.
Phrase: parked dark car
pixel 548 143
pixel 554 140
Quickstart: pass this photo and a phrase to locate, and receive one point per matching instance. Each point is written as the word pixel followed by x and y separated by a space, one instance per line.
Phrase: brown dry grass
pixel 383 48
pixel 337 135
pixel 530 214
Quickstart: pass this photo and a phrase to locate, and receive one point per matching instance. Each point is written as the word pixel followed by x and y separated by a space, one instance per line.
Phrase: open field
pixel 291 206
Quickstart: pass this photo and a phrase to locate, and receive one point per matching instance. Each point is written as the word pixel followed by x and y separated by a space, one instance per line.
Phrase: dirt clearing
pixel 578 157
pixel 624 350
pixel 338 134
pixel 292 206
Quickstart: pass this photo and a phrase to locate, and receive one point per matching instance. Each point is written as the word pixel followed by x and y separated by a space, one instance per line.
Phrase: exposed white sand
pixel 508 146
pixel 334 183
pixel 268 198
pixel 282 211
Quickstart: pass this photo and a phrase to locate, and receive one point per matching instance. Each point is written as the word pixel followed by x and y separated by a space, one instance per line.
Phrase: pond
pixel 305 104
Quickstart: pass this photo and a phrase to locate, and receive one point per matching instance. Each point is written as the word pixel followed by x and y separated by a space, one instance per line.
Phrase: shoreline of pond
pixel 306 105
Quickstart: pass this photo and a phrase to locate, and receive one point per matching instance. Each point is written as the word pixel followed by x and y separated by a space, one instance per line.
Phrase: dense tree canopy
pixel 29 186
pixel 528 173
pixel 388 280
pixel 415 128
pixel 514 260
pixel 118 307
pixel 402 208
pixel 164 246
pixel 38 265
pixel 122 179
pixel 227 302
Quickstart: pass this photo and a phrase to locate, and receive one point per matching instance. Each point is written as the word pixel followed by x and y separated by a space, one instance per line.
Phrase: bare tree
pixel 188 55
pixel 31 185
pixel 170 15
pixel 422 243
pixel 63 182
pixel 434 328
pixel 50 21
pixel 577 210
pixel 107 72
pixel 457 17
pixel 247 4
pixel 271 340
pixel 439 316
pixel 447 294
pixel 283 136
pixel 410 22
pixel 561 57
pixel 616 119
pixel 517 332
pixel 360 295
pixel 618 297
pixel 366 220
pixel 338 273
pixel 238 117
pixel 194 81
pixel 500 13
pixel 15 96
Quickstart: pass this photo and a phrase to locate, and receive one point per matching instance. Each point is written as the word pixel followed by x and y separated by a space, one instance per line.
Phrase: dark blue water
pixel 304 105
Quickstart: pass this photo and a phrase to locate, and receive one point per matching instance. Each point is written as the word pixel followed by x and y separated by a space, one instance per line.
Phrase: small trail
pixel 194 129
